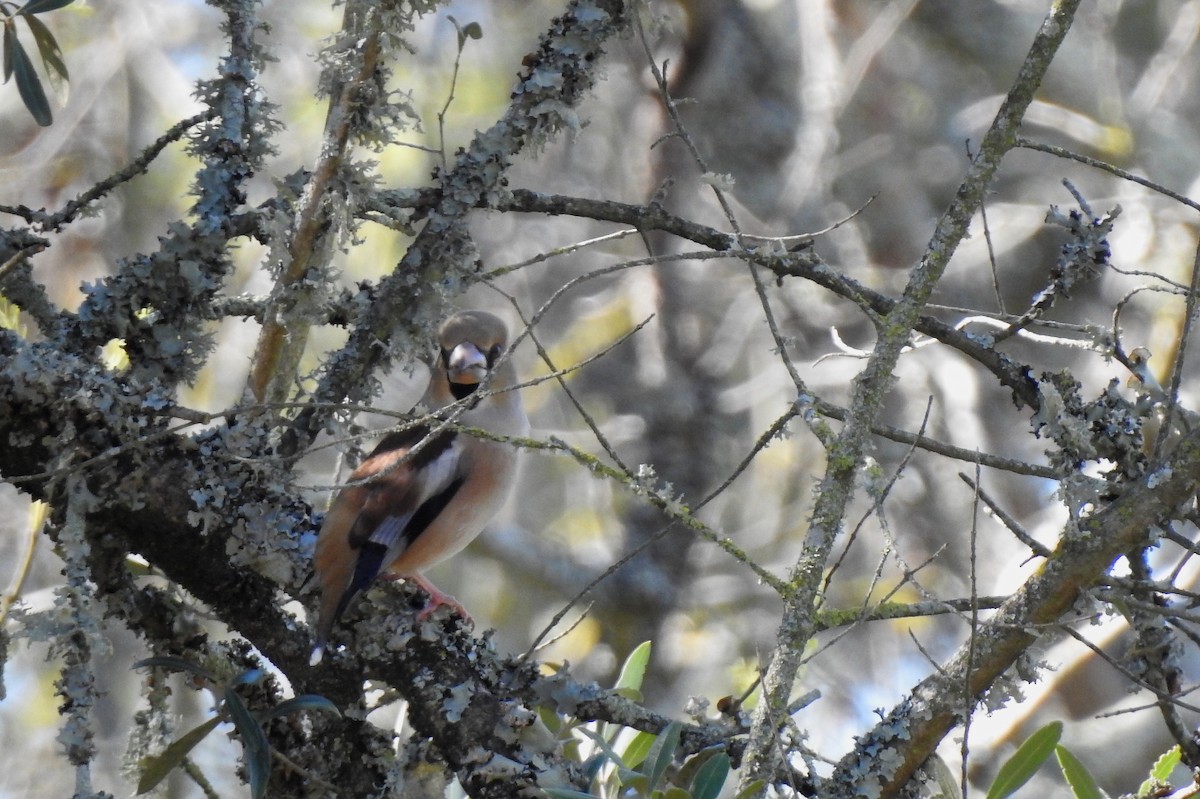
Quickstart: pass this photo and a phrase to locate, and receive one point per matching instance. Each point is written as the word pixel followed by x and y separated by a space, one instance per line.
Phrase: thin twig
pixel 18 258
pixel 829 619
pixel 1005 518
pixel 1189 319
pixel 562 383
pixel 38 512
pixel 942 448
pixel 566 249
pixel 1134 679
pixel 972 634
pixel 1062 152
pixel 136 167
pixel 991 249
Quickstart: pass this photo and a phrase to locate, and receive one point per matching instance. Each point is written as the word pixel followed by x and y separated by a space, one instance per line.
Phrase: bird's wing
pixel 402 499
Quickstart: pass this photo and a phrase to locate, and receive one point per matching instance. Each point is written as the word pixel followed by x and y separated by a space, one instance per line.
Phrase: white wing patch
pixel 434 477
pixel 390 532
pixel 439 473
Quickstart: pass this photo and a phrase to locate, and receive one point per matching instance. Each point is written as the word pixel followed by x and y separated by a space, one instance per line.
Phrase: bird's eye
pixel 493 354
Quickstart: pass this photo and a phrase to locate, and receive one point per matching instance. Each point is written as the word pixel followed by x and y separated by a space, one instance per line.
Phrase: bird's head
pixel 471 343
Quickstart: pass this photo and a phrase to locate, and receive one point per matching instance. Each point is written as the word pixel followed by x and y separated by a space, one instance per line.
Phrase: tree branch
pixel 557 77
pixel 869 389
pixel 913 729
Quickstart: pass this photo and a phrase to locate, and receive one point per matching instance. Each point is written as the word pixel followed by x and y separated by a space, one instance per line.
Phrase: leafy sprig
pixel 233 708
pixel 17 61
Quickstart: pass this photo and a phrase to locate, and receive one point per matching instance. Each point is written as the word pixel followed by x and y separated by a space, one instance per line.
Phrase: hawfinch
pixel 405 511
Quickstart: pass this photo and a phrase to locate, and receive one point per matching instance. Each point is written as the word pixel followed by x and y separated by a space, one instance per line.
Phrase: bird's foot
pixel 437 599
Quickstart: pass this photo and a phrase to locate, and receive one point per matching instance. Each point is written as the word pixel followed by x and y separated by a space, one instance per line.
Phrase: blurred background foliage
pixel 814 107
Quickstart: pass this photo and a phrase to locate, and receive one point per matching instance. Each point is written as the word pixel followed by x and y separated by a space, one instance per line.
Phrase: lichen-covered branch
pixel 155 301
pixel 869 389
pixel 802 263
pixel 355 78
pixel 144 502
pixel 77 639
pixel 913 729
pixel 557 77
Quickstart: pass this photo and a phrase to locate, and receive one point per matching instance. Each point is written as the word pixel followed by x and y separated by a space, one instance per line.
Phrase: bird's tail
pixel 366 569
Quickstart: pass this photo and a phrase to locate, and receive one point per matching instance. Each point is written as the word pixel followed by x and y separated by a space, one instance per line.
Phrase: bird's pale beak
pixel 466 364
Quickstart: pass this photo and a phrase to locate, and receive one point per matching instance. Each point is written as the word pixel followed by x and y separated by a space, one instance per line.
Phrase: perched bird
pixel 408 507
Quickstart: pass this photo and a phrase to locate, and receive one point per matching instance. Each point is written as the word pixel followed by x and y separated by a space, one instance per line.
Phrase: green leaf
pixel 1160 772
pixel 663 753
pixel 711 777
pixel 1077 775
pixel 176 664
pixel 624 774
pixel 554 722
pixel 298 703
pixel 48 48
pixel 254 742
pixel 566 793
pixel 943 777
pixel 1165 764
pixel 633 670
pixel 1025 762
pixel 751 790
pixel 248 677
pixel 637 783
pixel 604 745
pixel 639 746
pixel 30 87
pixel 155 768
pixel 691 767
pixel 10 319
pixel 39 6
pixel 10 38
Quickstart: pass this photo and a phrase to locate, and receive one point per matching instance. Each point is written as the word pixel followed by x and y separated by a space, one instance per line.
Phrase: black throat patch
pixel 461 391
